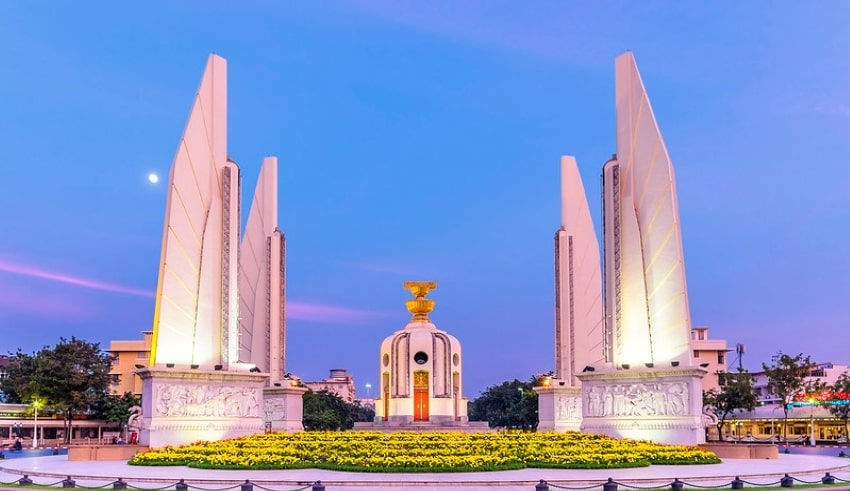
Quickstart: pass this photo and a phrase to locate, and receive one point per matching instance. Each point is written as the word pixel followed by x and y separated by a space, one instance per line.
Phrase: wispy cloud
pixel 381 268
pixel 315 312
pixel 554 32
pixel 837 109
pixel 44 304
pixel 35 272
pixel 26 301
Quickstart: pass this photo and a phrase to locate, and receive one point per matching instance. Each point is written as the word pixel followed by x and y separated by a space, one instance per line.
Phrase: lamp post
pixel 773 435
pixel 812 423
pixel 368 389
pixel 35 424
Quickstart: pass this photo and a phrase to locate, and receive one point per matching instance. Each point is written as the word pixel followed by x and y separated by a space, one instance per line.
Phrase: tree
pixel 736 392
pixel 114 408
pixel 840 406
pixel 512 404
pixel 72 376
pixel 325 410
pixel 21 383
pixel 786 379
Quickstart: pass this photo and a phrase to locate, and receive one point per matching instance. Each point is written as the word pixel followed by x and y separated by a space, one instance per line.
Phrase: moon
pixel 153 178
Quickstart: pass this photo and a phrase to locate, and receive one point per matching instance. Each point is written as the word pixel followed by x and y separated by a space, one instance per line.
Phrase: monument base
pixel 558 407
pixel 663 405
pixel 183 406
pixel 283 408
pixel 425 426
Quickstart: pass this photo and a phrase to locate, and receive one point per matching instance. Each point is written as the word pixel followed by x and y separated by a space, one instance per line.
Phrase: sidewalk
pixel 51 470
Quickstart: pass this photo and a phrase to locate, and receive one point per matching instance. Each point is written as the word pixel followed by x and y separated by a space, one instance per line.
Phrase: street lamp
pixel 812 422
pixel 35 404
pixel 368 389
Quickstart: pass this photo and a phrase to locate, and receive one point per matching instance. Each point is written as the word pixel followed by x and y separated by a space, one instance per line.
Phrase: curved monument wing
pixel 654 290
pixel 261 333
pixel 194 297
pixel 578 281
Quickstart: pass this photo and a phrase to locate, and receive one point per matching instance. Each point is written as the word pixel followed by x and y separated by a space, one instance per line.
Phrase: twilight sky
pixel 421 140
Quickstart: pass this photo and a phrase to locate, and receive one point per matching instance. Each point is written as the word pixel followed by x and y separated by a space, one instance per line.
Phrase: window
pixel 721 357
pixel 696 353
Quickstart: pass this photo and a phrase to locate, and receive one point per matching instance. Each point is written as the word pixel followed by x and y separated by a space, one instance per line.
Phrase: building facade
pixel 127 357
pixel 340 382
pixel 711 354
pixel 807 423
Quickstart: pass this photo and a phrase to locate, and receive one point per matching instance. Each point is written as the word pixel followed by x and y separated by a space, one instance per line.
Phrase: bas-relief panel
pixel 274 408
pixel 639 399
pixel 568 408
pixel 206 400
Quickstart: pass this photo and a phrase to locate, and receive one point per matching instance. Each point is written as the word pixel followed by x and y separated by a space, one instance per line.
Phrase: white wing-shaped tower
pixel 646 292
pixel 262 325
pixel 196 305
pixel 578 281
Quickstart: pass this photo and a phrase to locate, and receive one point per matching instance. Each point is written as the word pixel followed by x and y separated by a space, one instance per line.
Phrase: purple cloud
pixel 34 272
pixel 381 268
pixel 45 304
pixel 58 305
pixel 314 312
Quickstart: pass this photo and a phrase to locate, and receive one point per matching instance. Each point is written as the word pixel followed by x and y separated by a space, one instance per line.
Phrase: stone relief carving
pixel 134 422
pixel 709 417
pixel 274 409
pixel 568 408
pixel 206 400
pixel 639 399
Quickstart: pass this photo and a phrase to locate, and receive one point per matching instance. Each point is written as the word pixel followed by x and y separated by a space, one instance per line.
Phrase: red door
pixel 420 404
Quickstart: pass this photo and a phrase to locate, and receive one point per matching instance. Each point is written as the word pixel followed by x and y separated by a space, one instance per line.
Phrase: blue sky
pixel 421 140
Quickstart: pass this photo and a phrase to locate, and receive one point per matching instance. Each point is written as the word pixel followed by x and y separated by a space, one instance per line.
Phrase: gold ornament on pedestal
pixel 420 306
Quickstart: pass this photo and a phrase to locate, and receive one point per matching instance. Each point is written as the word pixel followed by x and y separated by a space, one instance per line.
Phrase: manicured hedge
pixel 424 452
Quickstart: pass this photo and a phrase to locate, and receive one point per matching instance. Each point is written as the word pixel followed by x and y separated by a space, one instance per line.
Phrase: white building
pixel 825 373
pixel 340 382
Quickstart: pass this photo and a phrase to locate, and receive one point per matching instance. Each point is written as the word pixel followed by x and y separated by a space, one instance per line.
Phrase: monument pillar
pixel 578 307
pixel 218 313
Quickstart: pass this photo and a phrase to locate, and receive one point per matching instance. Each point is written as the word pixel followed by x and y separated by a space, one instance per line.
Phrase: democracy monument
pixel 421 370
pixel 623 363
pixel 217 365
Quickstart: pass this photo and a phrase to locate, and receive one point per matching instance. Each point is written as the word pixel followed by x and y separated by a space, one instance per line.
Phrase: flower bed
pixel 424 452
